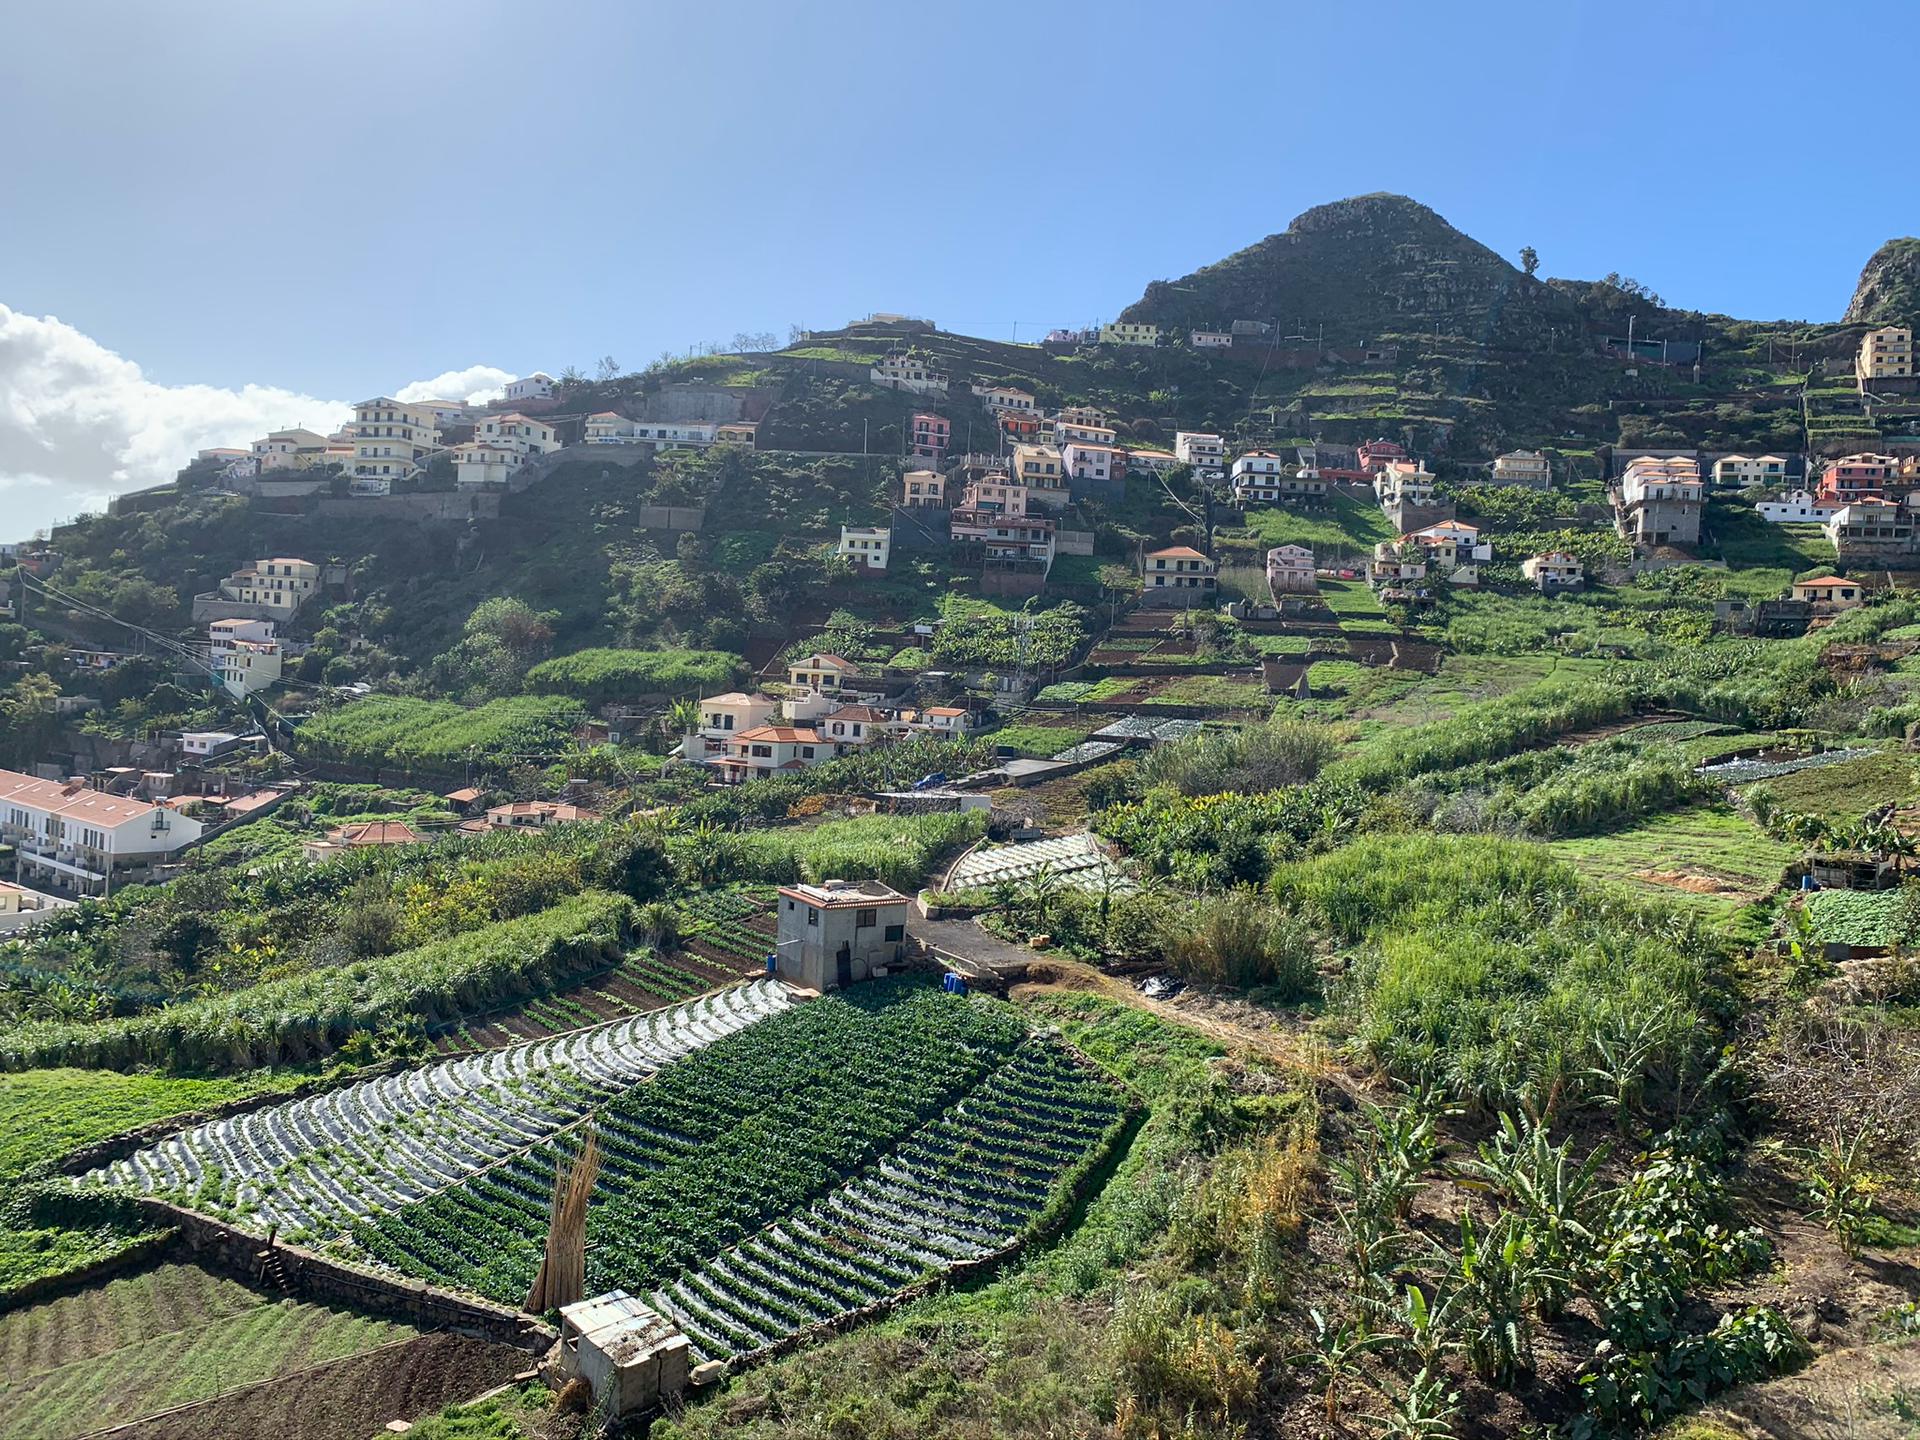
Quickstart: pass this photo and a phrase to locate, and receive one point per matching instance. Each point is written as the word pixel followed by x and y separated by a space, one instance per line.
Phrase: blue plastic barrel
pixel 773 962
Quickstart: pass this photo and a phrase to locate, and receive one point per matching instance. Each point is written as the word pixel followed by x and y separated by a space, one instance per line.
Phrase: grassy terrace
pixel 1709 858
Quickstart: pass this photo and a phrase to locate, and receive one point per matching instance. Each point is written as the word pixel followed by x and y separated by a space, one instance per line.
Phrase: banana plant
pixel 1426 1412
pixel 1333 1350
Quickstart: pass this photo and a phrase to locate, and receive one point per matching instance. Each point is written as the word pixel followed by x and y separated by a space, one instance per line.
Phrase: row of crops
pixel 968 1185
pixel 731 922
pixel 716 1147
pixel 1739 772
pixel 318 1164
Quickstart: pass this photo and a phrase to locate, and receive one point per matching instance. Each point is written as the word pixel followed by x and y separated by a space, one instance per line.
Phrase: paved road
pixel 970 949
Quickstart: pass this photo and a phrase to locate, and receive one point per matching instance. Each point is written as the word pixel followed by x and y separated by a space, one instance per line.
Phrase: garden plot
pixel 1075 860
pixel 720 1146
pixel 315 1166
pixel 969 1185
pixel 1739 772
pixel 1139 727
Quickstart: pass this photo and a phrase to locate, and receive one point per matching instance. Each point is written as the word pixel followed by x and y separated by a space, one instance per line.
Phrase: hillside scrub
pixel 442 736
pixel 896 849
pixel 1542 711
pixel 220 928
pixel 1490 969
pixel 310 1015
pixel 1249 760
pixel 1560 791
pixel 599 677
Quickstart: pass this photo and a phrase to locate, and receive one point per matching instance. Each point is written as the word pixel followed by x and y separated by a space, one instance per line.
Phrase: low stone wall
pixel 328 1281
pixel 433 507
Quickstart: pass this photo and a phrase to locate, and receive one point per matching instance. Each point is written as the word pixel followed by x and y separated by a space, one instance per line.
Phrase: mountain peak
pixel 1889 288
pixel 1360 268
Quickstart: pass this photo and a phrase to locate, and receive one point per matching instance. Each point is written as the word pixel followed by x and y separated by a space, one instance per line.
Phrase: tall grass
pixel 1492 970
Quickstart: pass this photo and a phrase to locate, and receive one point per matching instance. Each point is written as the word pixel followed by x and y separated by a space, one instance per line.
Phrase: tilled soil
pixel 346 1399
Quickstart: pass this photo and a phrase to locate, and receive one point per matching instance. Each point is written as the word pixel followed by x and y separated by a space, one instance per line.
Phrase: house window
pixel 896 932
pixel 865 919
pixel 813 916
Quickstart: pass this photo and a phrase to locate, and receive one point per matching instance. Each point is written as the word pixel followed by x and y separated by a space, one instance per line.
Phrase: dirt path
pixel 1236 1024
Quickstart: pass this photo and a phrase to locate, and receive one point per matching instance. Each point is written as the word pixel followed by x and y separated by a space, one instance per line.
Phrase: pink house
pixel 1856 477
pixel 932 434
pixel 1374 455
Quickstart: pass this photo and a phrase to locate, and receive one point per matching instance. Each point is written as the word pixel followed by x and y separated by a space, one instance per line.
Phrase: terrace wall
pixel 310 1276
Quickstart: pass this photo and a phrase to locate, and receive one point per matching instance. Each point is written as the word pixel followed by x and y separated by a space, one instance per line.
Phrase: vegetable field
pixel 966 1185
pixel 164 1336
pixel 774 1120
pixel 732 927
pixel 317 1165
pixel 641 981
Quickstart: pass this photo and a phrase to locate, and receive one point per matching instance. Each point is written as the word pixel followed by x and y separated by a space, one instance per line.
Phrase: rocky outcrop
pixel 1889 288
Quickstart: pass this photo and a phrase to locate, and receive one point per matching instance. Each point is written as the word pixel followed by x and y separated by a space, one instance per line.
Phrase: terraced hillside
pixel 899 1126
pixel 315 1166
pixel 965 1186
pixel 166 1336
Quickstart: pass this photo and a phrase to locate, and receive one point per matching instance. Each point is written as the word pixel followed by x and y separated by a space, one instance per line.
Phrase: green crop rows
pixel 716 1146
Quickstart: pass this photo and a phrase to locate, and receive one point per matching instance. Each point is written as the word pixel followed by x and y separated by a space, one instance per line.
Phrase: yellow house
pixel 738 432
pixel 923 487
pixel 1129 332
pixel 391 438
pixel 1886 354
pixel 278 583
pixel 821 672
pixel 1037 466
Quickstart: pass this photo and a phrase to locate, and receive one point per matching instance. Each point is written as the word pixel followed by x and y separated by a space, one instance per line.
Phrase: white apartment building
pixel 391 438
pixel 1526 468
pixel 866 545
pixel 1736 472
pixel 537 386
pixel 77 838
pixel 1209 339
pixel 1206 454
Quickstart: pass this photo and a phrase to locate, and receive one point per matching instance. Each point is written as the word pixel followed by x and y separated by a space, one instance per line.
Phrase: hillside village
pixel 1331 855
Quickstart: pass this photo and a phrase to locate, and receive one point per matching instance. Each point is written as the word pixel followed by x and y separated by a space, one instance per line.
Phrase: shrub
pixel 1241 939
pixel 596 677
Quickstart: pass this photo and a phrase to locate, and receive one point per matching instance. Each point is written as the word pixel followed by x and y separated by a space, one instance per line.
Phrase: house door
pixel 843 967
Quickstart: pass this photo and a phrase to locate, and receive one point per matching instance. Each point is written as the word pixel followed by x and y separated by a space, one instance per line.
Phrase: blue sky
pixel 334 199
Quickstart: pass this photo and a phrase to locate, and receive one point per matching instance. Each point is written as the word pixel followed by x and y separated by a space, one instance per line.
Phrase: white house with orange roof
pixel 1827 593
pixel 514 431
pixel 770 749
pixel 77 838
pixel 1177 575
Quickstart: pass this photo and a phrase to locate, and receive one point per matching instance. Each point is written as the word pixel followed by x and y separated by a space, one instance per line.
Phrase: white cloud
pixel 476 385
pixel 79 423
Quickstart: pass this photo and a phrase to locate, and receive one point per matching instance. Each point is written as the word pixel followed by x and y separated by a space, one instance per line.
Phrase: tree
pixel 1529 259
pixel 607 369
